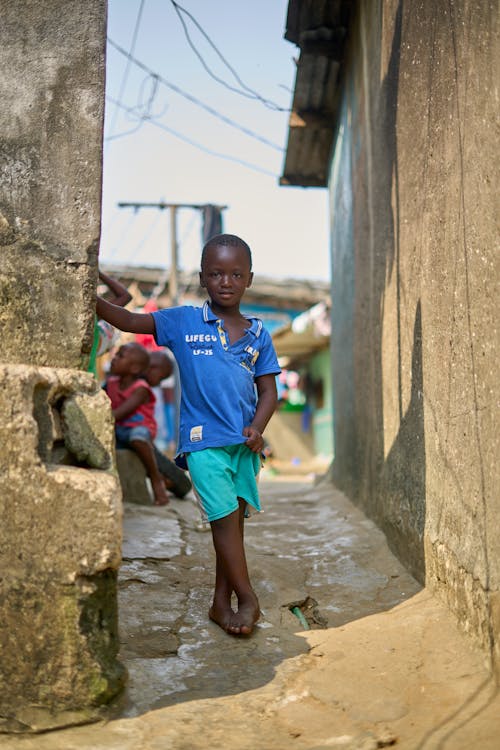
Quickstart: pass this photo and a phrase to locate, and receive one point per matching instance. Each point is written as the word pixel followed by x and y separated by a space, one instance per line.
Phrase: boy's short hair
pixel 160 367
pixel 231 240
pixel 141 354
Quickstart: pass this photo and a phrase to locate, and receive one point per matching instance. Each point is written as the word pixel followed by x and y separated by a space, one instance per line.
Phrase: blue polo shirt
pixel 218 395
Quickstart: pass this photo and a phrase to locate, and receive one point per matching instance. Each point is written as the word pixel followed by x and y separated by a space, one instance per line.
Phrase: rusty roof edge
pixel 320 30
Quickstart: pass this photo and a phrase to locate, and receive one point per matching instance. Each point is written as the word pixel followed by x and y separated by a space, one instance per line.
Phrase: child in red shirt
pixel 132 402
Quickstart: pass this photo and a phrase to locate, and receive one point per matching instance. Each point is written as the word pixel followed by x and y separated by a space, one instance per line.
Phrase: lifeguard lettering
pixel 192 338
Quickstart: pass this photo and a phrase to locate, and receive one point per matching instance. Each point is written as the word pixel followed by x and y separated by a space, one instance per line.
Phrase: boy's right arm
pixel 122 294
pixel 124 319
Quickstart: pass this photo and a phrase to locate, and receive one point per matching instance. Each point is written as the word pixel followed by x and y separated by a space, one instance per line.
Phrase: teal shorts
pixel 221 475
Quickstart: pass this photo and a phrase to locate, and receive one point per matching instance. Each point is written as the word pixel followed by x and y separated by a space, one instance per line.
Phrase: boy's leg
pixel 145 452
pixel 232 575
pixel 221 610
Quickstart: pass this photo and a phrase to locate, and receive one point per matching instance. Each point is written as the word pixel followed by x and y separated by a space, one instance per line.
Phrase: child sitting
pixel 175 479
pixel 132 402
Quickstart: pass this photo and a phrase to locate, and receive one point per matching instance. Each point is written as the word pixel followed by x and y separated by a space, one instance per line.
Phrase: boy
pixel 223 358
pixel 132 402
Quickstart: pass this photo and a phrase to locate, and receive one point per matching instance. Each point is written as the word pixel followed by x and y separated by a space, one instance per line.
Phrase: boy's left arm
pixel 266 405
pixel 131 404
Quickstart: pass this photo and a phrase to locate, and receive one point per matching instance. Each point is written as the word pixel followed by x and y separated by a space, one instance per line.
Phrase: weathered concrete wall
pixel 60 500
pixel 60 546
pixel 415 284
pixel 52 95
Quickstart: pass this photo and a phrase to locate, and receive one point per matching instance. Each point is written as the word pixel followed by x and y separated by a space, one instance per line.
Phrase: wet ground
pixel 349 653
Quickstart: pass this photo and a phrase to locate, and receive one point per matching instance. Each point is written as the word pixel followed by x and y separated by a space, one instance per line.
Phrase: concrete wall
pixel 60 500
pixel 415 286
pixel 52 94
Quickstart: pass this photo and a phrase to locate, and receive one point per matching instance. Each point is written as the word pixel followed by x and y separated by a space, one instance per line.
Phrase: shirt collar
pixel 256 327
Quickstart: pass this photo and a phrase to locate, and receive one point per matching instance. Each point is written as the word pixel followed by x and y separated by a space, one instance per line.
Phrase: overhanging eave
pixel 320 30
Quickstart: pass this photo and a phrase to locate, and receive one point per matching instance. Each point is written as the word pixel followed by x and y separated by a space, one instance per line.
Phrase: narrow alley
pixel 350 652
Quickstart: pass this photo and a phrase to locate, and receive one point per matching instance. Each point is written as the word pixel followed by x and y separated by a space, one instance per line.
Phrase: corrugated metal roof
pixel 319 28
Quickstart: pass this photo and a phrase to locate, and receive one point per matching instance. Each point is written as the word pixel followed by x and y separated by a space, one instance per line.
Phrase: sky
pixel 161 144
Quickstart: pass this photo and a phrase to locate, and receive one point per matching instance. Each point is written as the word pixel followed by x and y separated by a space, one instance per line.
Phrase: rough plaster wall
pixel 60 547
pixel 60 500
pixel 52 58
pixel 418 145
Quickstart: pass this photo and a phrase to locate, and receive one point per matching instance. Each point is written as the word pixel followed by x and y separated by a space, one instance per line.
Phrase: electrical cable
pixel 127 67
pixel 189 228
pixel 247 92
pixel 125 230
pixel 125 132
pixel 150 231
pixel 199 146
pixel 145 106
pixel 193 99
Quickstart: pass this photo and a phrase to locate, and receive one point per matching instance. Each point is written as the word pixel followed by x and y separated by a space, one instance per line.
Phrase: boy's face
pixel 225 275
pixel 159 369
pixel 125 361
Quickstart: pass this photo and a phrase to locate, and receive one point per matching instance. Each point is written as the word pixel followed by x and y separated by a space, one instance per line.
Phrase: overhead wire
pixel 127 67
pixel 149 232
pixel 247 91
pixel 189 228
pixel 126 132
pixel 145 106
pixel 197 145
pixel 164 276
pixel 124 231
pixel 194 100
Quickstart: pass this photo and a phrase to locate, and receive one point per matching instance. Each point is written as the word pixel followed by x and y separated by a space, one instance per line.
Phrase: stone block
pixel 133 478
pixel 60 548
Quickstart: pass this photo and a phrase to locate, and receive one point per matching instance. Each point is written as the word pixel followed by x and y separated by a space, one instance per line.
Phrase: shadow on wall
pixel 403 475
pixel 390 489
pixel 400 484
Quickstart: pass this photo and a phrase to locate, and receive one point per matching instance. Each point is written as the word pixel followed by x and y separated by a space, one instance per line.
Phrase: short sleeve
pixel 167 324
pixel 267 361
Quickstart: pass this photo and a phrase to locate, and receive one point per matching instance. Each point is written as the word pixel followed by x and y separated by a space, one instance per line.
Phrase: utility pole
pixel 173 284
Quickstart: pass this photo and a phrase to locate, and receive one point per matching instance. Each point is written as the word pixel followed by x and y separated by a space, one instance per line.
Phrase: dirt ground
pixel 350 651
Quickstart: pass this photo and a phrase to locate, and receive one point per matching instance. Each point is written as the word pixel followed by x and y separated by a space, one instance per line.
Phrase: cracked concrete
pixel 388 667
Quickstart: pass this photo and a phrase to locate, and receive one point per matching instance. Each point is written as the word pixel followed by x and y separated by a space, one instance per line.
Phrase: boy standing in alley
pixel 228 366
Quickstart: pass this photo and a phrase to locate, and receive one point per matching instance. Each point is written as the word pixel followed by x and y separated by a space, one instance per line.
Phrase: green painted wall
pixel 322 420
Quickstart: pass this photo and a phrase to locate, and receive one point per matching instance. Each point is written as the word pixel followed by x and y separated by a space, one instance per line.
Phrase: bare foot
pixel 242 622
pixel 221 615
pixel 160 493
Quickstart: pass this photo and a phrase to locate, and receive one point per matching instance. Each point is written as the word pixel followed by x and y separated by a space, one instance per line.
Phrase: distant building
pixel 303 346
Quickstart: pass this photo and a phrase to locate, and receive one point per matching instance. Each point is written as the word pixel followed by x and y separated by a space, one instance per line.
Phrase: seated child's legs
pixel 139 440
